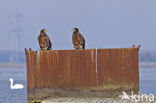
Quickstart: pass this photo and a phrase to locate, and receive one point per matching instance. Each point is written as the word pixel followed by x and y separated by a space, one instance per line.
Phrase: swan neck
pixel 11 83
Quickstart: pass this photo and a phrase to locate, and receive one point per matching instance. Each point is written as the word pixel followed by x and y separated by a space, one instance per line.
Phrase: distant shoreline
pixel 23 65
pixel 147 64
pixel 12 65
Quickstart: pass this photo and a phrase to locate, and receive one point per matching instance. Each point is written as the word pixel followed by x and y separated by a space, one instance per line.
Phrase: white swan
pixel 16 86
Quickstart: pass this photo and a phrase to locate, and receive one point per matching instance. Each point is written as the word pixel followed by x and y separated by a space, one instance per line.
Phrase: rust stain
pixel 82 69
pixel 118 66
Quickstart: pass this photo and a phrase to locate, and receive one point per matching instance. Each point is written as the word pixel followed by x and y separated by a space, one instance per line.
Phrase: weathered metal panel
pixel 118 69
pixel 78 70
pixel 82 68
pixel 30 75
pixel 65 69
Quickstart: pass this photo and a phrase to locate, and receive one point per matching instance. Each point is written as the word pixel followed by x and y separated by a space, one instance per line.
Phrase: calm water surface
pixel 12 96
pixel 148 81
pixel 147 84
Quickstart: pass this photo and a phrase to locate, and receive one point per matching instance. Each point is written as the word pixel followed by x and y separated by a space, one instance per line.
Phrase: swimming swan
pixel 16 86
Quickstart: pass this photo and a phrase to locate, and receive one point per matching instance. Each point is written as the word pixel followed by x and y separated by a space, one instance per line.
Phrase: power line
pixel 16 31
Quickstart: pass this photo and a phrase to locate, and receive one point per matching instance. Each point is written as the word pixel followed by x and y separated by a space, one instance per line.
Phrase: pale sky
pixel 104 23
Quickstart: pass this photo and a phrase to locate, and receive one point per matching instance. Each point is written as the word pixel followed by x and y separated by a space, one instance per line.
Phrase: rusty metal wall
pixel 76 70
pixel 118 67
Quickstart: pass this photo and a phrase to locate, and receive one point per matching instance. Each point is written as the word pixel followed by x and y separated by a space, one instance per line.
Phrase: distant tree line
pixel 14 57
pixel 147 56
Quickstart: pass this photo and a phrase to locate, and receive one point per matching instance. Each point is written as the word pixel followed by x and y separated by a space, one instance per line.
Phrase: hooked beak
pixel 45 30
pixel 72 29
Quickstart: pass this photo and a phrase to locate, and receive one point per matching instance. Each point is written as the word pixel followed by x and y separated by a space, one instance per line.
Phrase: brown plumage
pixel 133 46
pixel 44 40
pixel 138 47
pixel 78 39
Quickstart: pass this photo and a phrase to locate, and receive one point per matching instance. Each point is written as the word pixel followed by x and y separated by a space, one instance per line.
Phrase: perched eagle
pixel 44 40
pixel 78 39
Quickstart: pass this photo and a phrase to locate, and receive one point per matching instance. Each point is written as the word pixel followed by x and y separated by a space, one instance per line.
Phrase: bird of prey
pixel 44 40
pixel 139 47
pixel 77 39
pixel 133 46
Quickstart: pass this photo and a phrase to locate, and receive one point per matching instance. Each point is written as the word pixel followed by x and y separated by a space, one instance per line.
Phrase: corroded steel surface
pixel 118 66
pixel 79 70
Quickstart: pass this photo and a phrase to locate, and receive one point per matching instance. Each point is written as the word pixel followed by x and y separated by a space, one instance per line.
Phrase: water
pixel 148 81
pixel 12 96
pixel 147 84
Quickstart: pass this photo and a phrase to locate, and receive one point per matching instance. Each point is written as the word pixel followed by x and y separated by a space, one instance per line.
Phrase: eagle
pixel 78 39
pixel 44 40
pixel 133 46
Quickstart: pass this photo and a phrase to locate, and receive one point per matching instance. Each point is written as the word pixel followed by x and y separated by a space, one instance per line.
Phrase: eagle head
pixel 43 30
pixel 75 30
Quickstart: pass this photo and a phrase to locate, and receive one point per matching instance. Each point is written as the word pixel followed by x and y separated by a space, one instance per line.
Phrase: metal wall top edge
pixel 80 50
